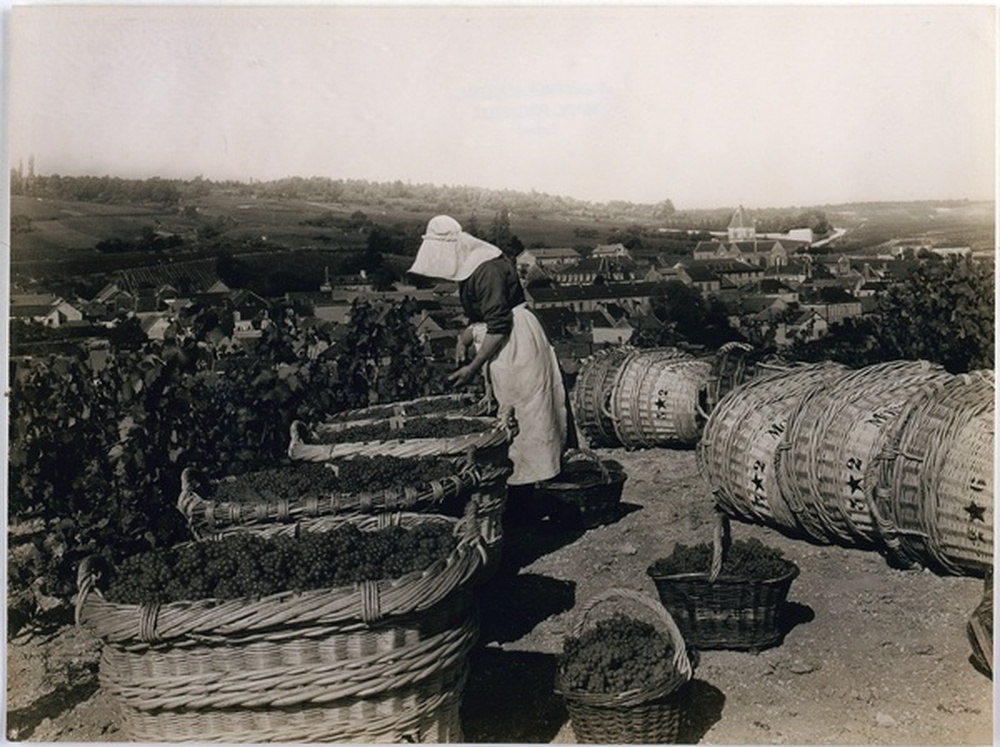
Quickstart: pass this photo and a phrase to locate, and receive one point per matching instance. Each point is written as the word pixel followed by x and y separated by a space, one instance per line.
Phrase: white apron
pixel 525 378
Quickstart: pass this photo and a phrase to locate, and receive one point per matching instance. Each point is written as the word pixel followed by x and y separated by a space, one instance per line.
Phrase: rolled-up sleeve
pixel 492 299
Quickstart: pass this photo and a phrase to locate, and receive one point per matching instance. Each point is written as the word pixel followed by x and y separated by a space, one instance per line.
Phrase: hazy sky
pixel 709 106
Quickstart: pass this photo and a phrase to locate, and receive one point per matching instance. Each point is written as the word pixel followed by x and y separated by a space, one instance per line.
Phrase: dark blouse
pixel 489 294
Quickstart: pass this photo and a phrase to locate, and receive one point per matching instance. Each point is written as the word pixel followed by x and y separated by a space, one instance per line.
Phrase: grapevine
pixel 616 655
pixel 249 565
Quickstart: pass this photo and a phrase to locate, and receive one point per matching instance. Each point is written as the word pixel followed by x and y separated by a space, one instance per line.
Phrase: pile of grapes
pixel 745 559
pixel 615 655
pixel 301 480
pixel 249 565
pixel 426 427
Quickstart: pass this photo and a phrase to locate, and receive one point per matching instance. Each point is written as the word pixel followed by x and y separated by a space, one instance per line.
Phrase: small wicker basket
pixel 586 492
pixel 640 716
pixel 719 612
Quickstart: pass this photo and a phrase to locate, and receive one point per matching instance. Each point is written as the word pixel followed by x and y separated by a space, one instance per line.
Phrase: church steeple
pixel 741 227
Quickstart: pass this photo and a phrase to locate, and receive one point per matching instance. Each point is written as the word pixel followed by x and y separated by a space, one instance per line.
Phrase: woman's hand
pixel 463 375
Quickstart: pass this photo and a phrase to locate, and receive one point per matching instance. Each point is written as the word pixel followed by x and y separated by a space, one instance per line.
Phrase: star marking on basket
pixel 854 483
pixel 661 404
pixel 975 511
pixel 758 482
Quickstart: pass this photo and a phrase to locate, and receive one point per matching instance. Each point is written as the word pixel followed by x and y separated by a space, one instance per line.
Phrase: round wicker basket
pixel 837 436
pixel 380 661
pixel 739 450
pixel 650 715
pixel 656 400
pixel 936 501
pixel 587 491
pixel 589 396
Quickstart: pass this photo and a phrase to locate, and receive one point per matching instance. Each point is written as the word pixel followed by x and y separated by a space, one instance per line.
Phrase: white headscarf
pixel 449 253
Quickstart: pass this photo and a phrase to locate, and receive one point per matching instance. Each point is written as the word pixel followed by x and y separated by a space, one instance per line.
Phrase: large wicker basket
pixel 456 404
pixel 488 444
pixel 738 452
pixel 640 716
pixel 837 436
pixel 657 400
pixel 936 497
pixel 378 661
pixel 586 493
pixel 714 611
pixel 589 396
pixel 207 516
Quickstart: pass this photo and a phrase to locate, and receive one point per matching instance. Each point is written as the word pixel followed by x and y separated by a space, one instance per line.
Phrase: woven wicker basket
pixel 837 436
pixel 936 497
pixel 714 611
pixel 456 404
pixel 586 492
pixel 378 661
pixel 657 400
pixel 589 396
pixel 739 449
pixel 641 716
pixel 489 445
pixel 206 516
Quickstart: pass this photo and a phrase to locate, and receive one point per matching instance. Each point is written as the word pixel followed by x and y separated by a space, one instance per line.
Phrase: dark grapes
pixel 616 655
pixel 250 565
pixel 744 559
pixel 424 427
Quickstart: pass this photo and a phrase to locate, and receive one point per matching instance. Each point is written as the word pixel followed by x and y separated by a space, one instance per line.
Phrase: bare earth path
pixel 874 655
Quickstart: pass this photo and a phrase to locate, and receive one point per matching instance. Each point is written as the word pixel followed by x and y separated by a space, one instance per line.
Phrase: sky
pixel 707 106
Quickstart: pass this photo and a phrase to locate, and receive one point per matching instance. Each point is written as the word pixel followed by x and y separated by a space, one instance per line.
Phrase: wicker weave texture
pixel 589 396
pixel 493 437
pixel 209 517
pixel 656 400
pixel 656 722
pixel 837 436
pixel 739 450
pixel 938 498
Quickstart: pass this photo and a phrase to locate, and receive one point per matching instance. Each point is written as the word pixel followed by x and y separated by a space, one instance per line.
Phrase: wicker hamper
pixel 657 400
pixel 456 404
pixel 640 716
pixel 739 449
pixel 936 497
pixel 714 611
pixel 837 436
pixel 489 444
pixel 211 517
pixel 587 491
pixel 589 396
pixel 380 661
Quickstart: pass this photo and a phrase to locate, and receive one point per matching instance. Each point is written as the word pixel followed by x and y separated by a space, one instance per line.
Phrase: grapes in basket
pixel 616 655
pixel 355 475
pixel 252 565
pixel 744 559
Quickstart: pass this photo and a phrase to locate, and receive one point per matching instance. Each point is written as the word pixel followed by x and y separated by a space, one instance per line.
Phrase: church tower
pixel 741 227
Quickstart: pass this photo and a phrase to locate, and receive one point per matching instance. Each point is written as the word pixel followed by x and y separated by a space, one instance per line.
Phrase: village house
pixel 592 269
pixel 832 304
pixel 585 298
pixel 546 258
pixel 44 308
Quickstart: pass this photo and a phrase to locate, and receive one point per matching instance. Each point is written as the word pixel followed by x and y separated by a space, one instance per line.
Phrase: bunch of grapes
pixel 302 480
pixel 248 565
pixel 745 559
pixel 429 406
pixel 415 428
pixel 616 655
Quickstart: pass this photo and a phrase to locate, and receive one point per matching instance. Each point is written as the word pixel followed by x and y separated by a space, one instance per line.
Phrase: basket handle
pixel 720 544
pixel 585 452
pixel 681 661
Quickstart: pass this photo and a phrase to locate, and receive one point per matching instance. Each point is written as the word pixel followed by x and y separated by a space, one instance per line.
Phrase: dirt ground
pixel 872 655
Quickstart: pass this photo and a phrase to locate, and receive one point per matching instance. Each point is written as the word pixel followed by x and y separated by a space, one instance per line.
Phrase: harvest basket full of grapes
pixel 308 490
pixel 622 671
pixel 355 630
pixel 486 438
pixel 725 595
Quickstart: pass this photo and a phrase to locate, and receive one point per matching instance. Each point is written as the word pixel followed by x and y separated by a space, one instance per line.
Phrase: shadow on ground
pixel 22 722
pixel 509 697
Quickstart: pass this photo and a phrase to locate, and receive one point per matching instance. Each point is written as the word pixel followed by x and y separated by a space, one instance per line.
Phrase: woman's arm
pixel 491 344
